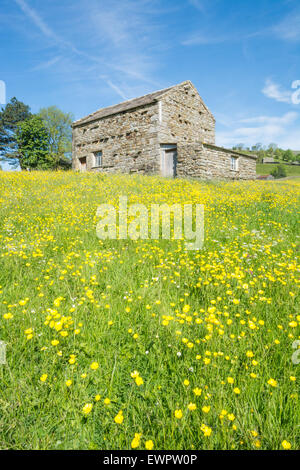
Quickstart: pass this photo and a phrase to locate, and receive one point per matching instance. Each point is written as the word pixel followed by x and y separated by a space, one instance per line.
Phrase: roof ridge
pixel 122 103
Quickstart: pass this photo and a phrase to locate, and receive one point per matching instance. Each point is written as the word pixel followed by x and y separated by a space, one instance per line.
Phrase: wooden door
pixel 169 161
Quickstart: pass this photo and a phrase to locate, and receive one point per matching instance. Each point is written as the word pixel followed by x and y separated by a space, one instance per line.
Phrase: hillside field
pixel 266 168
pixel 141 344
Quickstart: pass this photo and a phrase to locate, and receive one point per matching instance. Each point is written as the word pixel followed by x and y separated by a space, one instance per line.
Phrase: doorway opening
pixel 168 160
pixel 82 162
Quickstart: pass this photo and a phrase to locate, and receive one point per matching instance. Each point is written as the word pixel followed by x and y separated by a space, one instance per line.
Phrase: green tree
pixel 58 125
pixel 288 156
pixel 256 147
pixel 279 153
pixel 10 116
pixel 33 145
pixel 279 172
pixel 240 146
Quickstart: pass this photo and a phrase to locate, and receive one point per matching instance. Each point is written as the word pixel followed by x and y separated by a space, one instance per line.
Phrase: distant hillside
pixel 271 151
pixel 266 168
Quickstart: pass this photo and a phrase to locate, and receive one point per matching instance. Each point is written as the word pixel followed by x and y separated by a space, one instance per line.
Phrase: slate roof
pixel 126 105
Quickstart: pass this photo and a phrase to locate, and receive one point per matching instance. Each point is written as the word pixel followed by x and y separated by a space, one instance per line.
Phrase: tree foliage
pixel 58 125
pixel 288 156
pixel 279 172
pixel 270 151
pixel 42 141
pixel 10 116
pixel 33 144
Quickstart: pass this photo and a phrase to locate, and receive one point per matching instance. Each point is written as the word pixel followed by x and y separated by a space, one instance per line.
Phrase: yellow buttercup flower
pixel 136 440
pixel 206 430
pixel 134 374
pixel 87 408
pixel 8 316
pixel 272 382
pixel 94 365
pixel 192 406
pixel 119 417
pixel 139 381
pixel 206 409
pixel 286 445
pixel 149 445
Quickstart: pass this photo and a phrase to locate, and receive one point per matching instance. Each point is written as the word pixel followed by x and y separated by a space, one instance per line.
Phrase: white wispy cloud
pixel 44 28
pixel 119 38
pixel 117 89
pixel 198 4
pixel 129 37
pixel 276 92
pixel 264 129
pixel 284 120
pixel 35 17
pixel 289 27
pixel 47 64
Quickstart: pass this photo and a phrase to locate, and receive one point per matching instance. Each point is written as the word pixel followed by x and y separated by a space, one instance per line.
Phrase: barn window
pixel 234 163
pixel 98 158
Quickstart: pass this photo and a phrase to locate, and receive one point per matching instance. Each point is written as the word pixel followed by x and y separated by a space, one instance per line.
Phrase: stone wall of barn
pixel 184 118
pixel 208 161
pixel 128 142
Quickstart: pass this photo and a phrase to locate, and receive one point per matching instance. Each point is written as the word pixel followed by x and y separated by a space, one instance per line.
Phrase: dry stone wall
pixel 208 161
pixel 185 118
pixel 128 142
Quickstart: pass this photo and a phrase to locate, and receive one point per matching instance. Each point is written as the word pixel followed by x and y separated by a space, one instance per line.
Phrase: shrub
pixel 279 172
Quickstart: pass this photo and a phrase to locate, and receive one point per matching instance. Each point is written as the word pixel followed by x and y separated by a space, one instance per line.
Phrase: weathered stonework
pixel 132 137
pixel 207 161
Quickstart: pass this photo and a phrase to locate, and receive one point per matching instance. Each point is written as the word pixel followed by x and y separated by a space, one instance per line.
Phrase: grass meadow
pixel 141 344
pixel 266 168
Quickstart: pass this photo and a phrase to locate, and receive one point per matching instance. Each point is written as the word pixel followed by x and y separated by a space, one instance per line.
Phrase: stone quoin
pixel 170 132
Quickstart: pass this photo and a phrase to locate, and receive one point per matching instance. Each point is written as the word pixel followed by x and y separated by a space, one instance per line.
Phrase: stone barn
pixel 170 132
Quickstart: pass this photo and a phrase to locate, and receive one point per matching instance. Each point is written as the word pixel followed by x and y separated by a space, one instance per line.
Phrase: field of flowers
pixel 141 344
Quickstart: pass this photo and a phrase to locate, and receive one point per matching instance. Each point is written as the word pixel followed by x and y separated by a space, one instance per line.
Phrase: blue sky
pixel 81 55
